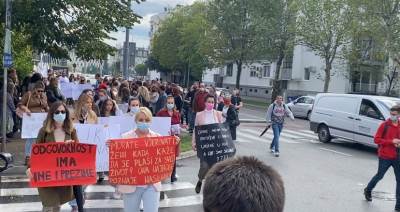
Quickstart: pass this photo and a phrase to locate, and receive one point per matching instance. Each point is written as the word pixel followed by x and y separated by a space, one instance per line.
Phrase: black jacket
pixel 54 95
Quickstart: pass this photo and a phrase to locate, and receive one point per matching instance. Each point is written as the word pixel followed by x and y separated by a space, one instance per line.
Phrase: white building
pixel 303 74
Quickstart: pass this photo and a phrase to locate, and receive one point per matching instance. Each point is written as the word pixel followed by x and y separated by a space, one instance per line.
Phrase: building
pixel 301 74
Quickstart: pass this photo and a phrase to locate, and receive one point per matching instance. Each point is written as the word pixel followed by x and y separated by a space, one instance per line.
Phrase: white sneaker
pixel 276 154
pixel 272 151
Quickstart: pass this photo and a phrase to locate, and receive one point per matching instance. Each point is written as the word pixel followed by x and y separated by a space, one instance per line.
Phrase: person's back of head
pixel 243 184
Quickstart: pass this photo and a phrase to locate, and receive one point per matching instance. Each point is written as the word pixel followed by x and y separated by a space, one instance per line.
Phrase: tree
pixel 325 26
pixel 60 25
pixel 179 43
pixel 231 33
pixel 141 69
pixel 275 33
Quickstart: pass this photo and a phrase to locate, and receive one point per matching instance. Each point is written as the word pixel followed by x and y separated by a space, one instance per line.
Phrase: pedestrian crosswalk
pixel 17 196
pixel 249 135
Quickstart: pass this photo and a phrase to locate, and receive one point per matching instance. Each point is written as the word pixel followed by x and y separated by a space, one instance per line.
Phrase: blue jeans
pixel 192 119
pixel 28 146
pixel 383 166
pixel 149 196
pixel 277 129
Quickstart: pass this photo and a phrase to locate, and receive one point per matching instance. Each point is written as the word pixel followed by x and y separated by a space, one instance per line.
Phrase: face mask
pixel 59 118
pixel 393 118
pixel 170 106
pixel 143 126
pixel 209 106
pixel 134 110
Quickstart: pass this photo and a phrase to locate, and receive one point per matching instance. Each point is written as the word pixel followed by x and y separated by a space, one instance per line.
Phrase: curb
pixel 252 121
pixel 187 154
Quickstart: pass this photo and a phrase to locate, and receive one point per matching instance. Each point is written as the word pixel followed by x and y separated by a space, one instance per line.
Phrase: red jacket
pixel 386 148
pixel 199 103
pixel 175 118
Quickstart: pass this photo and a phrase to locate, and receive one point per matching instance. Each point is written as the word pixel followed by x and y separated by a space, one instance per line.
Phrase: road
pixel 318 177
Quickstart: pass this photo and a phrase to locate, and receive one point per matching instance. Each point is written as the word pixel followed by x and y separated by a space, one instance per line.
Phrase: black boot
pixel 367 195
pixel 198 187
pixel 173 175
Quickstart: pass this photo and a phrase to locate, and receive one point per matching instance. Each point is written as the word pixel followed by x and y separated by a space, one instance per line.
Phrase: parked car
pixel 351 117
pixel 302 106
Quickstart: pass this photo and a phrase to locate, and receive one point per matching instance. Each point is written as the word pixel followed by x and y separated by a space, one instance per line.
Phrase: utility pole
pixel 7 61
pixel 126 50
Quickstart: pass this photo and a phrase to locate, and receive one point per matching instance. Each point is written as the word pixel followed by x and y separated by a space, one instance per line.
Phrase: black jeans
pixel 384 165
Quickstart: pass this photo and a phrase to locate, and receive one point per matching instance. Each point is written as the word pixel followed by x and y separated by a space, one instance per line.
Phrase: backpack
pixel 273 108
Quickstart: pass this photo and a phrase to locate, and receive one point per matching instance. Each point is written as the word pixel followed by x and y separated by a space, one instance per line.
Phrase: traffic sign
pixel 7 60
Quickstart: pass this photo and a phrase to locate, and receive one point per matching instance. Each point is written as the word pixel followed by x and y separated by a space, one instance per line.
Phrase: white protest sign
pixel 32 124
pixel 98 134
pixel 66 89
pixel 77 90
pixel 161 125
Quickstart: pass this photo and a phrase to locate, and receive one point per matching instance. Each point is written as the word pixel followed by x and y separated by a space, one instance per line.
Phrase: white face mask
pixel 394 118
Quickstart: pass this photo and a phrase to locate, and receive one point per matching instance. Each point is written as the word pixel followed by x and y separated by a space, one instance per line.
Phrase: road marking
pixel 90 189
pixel 334 151
pixel 103 204
pixel 308 132
pixel 14 179
pixel 301 134
pixel 269 134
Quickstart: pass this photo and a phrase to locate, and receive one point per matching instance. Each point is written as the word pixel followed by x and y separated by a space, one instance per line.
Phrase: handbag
pixel 19 111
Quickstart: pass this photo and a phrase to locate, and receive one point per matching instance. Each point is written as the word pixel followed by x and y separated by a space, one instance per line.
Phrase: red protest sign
pixel 61 164
pixel 141 161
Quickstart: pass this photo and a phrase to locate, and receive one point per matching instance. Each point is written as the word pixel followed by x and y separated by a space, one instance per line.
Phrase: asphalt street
pixel 318 177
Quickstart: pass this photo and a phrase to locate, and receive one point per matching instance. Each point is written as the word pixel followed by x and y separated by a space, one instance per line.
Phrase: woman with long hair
pixel 133 106
pixel 84 113
pixel 144 96
pixel 230 115
pixel 149 194
pixel 109 108
pixel 34 101
pixel 57 127
pixel 53 92
pixel 170 111
pixel 208 116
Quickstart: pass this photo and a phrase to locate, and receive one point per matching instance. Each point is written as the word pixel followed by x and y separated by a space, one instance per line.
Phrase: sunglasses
pixel 59 111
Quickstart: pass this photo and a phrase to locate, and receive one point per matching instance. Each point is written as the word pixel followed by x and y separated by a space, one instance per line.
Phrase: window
pixel 301 100
pixel 266 91
pixel 229 69
pixel 241 89
pixel 369 110
pixel 309 100
pixel 255 90
pixel 288 62
pixel 253 73
pixel 267 71
pixel 307 73
pixel 251 90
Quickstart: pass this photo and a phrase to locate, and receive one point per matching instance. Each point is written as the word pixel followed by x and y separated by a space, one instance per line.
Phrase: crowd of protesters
pixel 196 106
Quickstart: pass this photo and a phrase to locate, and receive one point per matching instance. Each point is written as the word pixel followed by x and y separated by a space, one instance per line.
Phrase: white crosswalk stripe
pixel 287 136
pixel 29 200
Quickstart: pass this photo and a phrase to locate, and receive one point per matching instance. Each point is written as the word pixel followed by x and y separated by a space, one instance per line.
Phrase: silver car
pixel 302 106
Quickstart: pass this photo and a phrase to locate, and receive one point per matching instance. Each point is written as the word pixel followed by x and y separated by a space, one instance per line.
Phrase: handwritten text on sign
pixel 141 161
pixel 214 143
pixel 61 164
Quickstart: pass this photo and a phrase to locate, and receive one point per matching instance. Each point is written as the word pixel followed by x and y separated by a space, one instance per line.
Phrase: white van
pixel 352 117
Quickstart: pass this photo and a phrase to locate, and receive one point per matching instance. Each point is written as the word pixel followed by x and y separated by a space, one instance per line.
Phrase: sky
pixel 140 32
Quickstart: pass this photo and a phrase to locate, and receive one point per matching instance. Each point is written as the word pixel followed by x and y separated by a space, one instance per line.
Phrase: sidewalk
pixel 255 102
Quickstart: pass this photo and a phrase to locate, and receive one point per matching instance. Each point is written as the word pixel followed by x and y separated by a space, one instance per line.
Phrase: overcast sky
pixel 140 32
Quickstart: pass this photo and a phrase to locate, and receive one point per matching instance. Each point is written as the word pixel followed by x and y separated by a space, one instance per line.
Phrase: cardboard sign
pixel 160 125
pixel 141 161
pixel 66 89
pixel 32 124
pixel 123 107
pixel 62 164
pixel 72 90
pixel 214 143
pixel 98 134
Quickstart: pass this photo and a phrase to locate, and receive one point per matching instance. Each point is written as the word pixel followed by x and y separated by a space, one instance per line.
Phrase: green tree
pixel 276 21
pixel 231 33
pixel 141 69
pixel 325 26
pixel 60 25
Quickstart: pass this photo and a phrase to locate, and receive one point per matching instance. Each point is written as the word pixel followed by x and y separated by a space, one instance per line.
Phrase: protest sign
pixel 65 164
pixel 66 89
pixel 98 134
pixel 160 125
pixel 32 124
pixel 78 88
pixel 123 107
pixel 214 143
pixel 141 161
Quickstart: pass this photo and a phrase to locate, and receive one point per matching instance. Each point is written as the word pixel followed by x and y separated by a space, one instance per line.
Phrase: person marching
pixel 57 127
pixel 230 115
pixel 34 101
pixel 205 117
pixel 171 111
pixel 133 106
pixel 276 117
pixel 387 139
pixel 149 194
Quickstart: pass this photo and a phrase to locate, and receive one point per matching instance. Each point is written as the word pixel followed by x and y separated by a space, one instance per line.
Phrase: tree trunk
pixel 327 77
pixel 276 85
pixel 239 73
